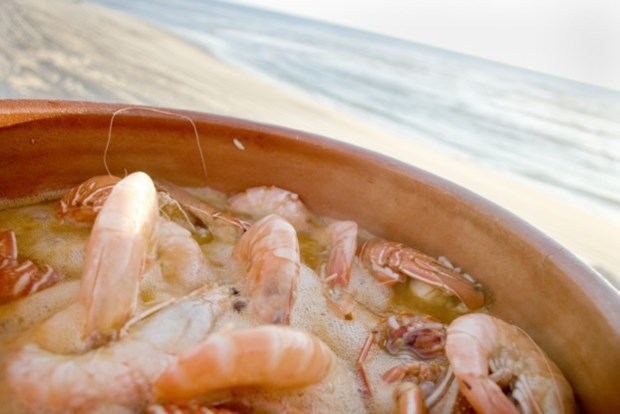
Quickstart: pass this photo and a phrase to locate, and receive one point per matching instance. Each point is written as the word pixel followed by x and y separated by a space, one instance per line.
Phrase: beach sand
pixel 79 51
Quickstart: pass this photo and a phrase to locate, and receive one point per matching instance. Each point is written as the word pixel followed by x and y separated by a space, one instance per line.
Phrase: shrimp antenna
pixel 167 200
pixel 159 111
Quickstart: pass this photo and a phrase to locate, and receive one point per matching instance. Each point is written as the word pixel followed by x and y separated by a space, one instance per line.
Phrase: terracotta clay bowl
pixel 569 310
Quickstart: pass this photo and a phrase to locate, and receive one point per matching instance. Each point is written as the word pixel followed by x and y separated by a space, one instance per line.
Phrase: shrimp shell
pixel 20 278
pixel 83 202
pixel 271 251
pixel 259 202
pixel 389 262
pixel 180 256
pixel 121 237
pixel 201 210
pixel 121 372
pixel 341 237
pixel 268 356
pixel 409 399
pixel 479 344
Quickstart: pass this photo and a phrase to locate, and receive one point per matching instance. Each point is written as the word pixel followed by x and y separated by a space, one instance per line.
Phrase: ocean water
pixel 558 134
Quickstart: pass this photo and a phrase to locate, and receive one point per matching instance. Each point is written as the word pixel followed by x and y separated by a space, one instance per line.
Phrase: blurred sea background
pixel 559 135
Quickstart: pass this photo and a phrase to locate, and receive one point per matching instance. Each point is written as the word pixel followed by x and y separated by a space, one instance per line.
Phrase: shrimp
pixel 267 356
pixel 341 237
pixel 418 342
pixel 179 255
pixel 199 209
pixel 83 202
pixel 389 262
pixel 119 246
pixel 120 373
pixel 259 202
pixel 500 369
pixel 120 241
pixel 20 278
pixel 270 251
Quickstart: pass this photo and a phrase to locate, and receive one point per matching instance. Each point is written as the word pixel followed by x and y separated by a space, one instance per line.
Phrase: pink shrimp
pixel 179 255
pixel 127 237
pixel 199 209
pixel 270 251
pixel 267 356
pixel 418 342
pixel 20 278
pixel 501 370
pixel 120 241
pixel 121 372
pixel 341 239
pixel 258 202
pixel 84 201
pixel 390 262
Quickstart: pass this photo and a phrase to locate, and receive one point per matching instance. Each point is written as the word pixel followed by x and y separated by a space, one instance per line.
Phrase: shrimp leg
pixel 390 262
pixel 201 210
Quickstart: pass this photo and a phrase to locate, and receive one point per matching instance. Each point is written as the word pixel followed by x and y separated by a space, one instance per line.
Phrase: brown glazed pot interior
pixel 568 309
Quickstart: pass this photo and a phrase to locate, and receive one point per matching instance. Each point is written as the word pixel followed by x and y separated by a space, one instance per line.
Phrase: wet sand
pixel 80 51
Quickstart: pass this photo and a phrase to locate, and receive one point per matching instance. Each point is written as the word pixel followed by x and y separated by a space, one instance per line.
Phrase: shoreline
pixel 54 55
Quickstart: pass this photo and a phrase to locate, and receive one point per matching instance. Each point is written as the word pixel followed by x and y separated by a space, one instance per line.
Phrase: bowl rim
pixel 600 290
pixel 544 259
